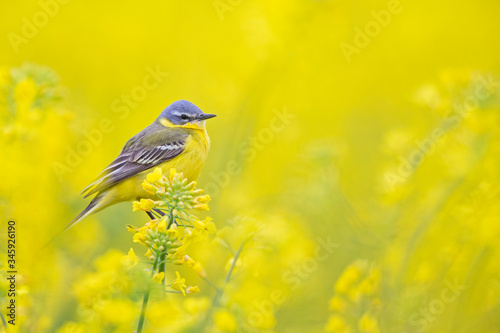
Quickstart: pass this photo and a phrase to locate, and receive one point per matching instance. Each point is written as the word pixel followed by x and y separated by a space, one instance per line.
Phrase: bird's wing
pixel 151 147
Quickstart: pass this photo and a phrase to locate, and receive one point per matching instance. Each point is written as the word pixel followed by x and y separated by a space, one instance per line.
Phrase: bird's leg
pixel 152 217
pixel 159 212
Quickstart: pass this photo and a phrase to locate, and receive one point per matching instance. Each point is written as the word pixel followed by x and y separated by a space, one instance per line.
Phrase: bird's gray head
pixel 182 113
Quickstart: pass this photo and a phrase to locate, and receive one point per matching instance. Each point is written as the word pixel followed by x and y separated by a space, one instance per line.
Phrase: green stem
pixel 4 323
pixel 211 284
pixel 163 256
pixel 162 266
pixel 171 219
pixel 228 276
pixel 205 323
pixel 145 300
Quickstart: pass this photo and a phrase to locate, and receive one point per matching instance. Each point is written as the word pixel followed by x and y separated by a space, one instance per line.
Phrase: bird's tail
pixel 90 209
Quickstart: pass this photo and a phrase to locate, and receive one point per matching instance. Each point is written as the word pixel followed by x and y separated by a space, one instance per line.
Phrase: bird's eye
pixel 184 117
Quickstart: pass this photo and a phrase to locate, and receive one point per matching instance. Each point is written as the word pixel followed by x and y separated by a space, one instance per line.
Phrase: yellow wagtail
pixel 176 139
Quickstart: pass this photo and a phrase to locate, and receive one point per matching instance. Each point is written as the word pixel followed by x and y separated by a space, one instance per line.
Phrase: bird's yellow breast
pixel 189 162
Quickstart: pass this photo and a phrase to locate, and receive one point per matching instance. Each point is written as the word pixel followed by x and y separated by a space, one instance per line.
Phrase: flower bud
pixel 175 245
pixel 149 188
pixel 131 229
pixel 203 199
pixel 201 207
pixel 192 289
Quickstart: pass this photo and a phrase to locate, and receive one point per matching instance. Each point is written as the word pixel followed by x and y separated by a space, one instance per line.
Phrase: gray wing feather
pixel 151 147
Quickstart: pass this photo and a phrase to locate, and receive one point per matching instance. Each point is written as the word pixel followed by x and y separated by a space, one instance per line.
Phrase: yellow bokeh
pixel 352 178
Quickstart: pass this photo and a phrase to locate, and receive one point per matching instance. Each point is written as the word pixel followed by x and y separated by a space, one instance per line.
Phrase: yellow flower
pixel 337 304
pixel 154 176
pixel 203 228
pixel 203 199
pixel 145 205
pixel 25 92
pixel 354 294
pixel 173 231
pixel 180 252
pixel 196 266
pixel 131 259
pixel 336 324
pixel 368 324
pixel 173 173
pixel 370 284
pixel 201 207
pixel 158 277
pixel 189 237
pixel 140 236
pixel 176 192
pixel 132 229
pixel 162 226
pixel 225 321
pixel 350 275
pixel 148 187
pixel 179 283
pixel 178 262
pixel 367 286
pixel 211 228
pixel 192 289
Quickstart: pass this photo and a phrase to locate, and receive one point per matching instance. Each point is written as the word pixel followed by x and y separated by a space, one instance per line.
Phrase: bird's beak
pixel 206 116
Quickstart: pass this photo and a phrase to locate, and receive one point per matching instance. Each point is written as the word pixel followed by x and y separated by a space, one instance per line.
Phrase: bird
pixel 177 139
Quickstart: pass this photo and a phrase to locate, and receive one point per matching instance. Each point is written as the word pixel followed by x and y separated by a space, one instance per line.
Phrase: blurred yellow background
pixel 361 137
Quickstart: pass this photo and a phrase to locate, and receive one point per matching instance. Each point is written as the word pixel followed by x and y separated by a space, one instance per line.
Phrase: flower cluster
pixel 27 95
pixel 157 238
pixel 175 193
pixel 356 291
pixel 174 227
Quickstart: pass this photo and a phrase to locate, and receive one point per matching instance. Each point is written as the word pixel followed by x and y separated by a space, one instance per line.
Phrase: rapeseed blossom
pixel 168 236
pixel 393 157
